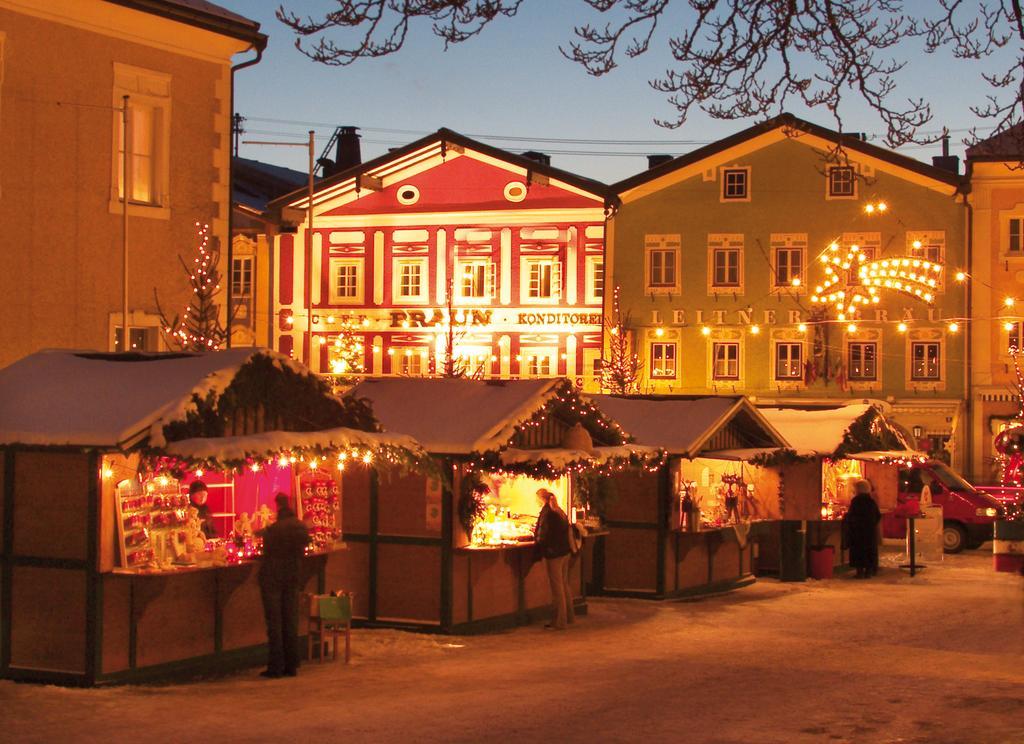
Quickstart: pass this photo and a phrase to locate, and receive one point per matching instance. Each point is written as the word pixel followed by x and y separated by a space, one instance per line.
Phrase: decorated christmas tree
pixel 199 327
pixel 347 353
pixel 620 370
pixel 1009 442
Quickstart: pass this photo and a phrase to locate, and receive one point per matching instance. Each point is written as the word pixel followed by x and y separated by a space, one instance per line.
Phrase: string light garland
pixel 198 327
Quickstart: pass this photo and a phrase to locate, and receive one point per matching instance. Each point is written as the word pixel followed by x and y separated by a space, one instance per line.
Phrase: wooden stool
pixel 330 615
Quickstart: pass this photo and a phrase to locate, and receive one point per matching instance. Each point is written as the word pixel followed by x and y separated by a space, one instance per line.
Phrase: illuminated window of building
pixel 862 360
pixel 410 279
pixel 475 280
pixel 725 357
pixel 411 362
pixel 789 265
pixel 663 360
pixel 842 181
pixel 1016 235
pixel 241 276
pixel 539 363
pixel 736 184
pixel 148 140
pixel 542 278
pixel 594 280
pixel 924 361
pixel 346 280
pixel 1014 334
pixel 788 361
pixel 139 339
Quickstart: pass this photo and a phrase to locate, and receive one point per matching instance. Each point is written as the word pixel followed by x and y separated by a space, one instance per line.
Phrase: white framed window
pixel 663 360
pixel 1014 330
pixel 869 246
pixel 862 360
pixel 725 263
pixel 725 360
pixel 594 292
pixel 539 363
pixel 475 279
pixel 346 281
pixel 143 332
pixel 139 338
pixel 540 280
pixel 841 182
pixel 925 361
pixel 410 362
pixel 661 264
pixel 1015 236
pixel 409 280
pixel 241 276
pixel 148 140
pixel 789 360
pixel 735 184
pixel 929 245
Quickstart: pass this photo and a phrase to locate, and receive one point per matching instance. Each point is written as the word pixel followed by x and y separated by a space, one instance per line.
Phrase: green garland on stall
pixel 546 470
pixel 869 433
pixel 569 406
pixel 471 505
pixel 294 400
pixel 776 458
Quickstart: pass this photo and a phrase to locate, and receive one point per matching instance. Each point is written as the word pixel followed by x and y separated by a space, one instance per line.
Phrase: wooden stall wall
pixel 801 490
pixel 885 480
pixel 50 589
pixel 636 523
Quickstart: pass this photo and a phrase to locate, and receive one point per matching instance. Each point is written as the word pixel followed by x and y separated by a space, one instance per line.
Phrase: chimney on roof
pixel 654 161
pixel 348 153
pixel 945 161
pixel 540 157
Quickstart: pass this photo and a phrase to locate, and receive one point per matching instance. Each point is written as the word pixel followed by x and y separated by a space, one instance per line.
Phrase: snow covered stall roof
pixel 461 417
pixel 120 401
pixel 837 431
pixel 691 427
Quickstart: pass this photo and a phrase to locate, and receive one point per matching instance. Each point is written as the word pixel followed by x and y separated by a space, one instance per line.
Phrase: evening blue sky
pixel 512 82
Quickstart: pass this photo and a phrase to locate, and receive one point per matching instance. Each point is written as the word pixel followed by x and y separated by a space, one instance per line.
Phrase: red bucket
pixel 822 559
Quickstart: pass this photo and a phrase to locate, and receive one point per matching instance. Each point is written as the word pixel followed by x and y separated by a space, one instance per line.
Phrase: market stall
pixel 454 553
pixel 684 529
pixel 116 566
pixel 829 449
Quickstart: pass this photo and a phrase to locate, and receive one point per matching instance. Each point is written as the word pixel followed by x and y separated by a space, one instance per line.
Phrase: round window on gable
pixel 408 194
pixel 515 191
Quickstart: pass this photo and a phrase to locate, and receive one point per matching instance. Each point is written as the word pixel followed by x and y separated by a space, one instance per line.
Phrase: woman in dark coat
pixel 861 528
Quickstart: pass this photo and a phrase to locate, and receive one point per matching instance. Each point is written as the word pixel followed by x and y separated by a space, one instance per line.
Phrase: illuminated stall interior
pixel 684 529
pixel 110 573
pixel 455 553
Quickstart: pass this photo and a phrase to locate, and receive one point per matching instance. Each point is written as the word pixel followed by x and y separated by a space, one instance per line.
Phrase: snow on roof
pixel 818 432
pixel 677 425
pixel 81 398
pixel 452 415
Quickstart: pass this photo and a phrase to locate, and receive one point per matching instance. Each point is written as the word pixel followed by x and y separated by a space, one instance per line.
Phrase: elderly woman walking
pixel 860 526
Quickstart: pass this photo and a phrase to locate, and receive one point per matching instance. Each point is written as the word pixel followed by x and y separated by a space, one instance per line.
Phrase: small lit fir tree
pixel 348 353
pixel 1009 443
pixel 199 327
pixel 620 371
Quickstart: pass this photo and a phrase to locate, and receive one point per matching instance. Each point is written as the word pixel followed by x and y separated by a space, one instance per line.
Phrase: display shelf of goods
pixel 153 523
pixel 319 502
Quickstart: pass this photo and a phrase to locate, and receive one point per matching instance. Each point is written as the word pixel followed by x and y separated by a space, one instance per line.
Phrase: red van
pixel 967 514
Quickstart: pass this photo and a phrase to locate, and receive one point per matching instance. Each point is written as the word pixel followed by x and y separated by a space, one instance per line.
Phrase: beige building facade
pixel 65 67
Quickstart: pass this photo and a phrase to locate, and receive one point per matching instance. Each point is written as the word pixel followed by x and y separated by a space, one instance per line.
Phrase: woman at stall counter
pixel 551 544
pixel 861 527
pixel 197 495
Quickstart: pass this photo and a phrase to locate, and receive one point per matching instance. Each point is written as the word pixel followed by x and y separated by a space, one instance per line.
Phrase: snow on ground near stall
pixel 936 658
pixel 62 397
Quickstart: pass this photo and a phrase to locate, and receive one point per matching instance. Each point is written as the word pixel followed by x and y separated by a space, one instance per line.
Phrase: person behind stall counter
pixel 197 495
pixel 280 577
pixel 552 545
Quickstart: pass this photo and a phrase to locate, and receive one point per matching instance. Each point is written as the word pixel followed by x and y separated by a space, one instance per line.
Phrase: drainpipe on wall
pixel 231 184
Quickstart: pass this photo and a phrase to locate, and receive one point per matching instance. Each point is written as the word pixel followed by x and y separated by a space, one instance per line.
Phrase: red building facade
pixel 446 252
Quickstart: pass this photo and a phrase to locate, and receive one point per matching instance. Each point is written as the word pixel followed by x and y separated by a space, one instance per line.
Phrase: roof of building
pixel 254 183
pixel 449 137
pixel 682 425
pixel 202 14
pixel 788 121
pixel 1007 145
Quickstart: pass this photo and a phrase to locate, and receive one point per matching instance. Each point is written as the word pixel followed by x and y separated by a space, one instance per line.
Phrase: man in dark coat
pixel 861 526
pixel 284 544
pixel 552 544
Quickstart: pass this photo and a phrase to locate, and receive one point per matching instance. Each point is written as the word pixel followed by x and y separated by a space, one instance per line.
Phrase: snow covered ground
pixel 937 658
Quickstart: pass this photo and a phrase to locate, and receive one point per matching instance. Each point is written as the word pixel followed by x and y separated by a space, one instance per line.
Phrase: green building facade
pixel 717 256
